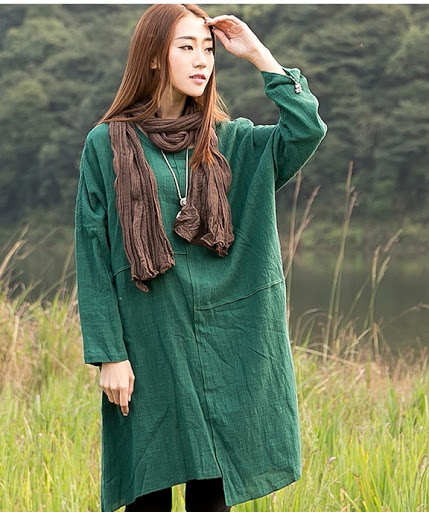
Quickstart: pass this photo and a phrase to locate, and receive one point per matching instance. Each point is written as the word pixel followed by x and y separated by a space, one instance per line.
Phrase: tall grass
pixel 338 333
pixel 364 429
pixel 364 421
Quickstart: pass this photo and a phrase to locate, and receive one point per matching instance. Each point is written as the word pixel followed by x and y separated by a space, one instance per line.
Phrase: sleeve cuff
pixel 98 359
pixel 292 77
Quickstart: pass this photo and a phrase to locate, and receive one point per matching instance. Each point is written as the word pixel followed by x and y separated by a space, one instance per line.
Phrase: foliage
pixel 60 66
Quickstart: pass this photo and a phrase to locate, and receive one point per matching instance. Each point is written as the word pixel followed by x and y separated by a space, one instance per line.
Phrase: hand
pixel 235 35
pixel 239 40
pixel 117 381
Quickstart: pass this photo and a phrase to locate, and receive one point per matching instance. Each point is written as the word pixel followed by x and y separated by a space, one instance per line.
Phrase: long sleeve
pixel 286 146
pixel 300 129
pixel 98 303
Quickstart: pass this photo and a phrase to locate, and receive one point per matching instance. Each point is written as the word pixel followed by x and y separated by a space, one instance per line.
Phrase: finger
pixel 118 396
pixel 131 386
pixel 109 395
pixel 106 390
pixel 224 25
pixel 123 401
pixel 230 24
pixel 223 38
pixel 224 18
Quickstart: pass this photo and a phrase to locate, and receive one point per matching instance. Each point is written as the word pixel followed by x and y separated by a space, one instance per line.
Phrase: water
pixel 404 286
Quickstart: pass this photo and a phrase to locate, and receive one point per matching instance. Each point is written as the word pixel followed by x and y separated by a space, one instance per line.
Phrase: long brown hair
pixel 151 42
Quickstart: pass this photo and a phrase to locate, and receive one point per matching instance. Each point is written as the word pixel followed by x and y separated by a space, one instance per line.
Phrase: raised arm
pixel 294 139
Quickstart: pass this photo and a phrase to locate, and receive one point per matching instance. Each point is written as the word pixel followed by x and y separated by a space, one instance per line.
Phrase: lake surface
pixel 405 285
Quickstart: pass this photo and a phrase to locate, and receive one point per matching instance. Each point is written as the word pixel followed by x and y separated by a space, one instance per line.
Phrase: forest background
pixel 60 66
pixel 364 419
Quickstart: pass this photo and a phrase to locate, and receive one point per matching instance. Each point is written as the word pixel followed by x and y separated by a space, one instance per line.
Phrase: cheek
pixel 175 65
pixel 172 58
pixel 175 59
pixel 211 64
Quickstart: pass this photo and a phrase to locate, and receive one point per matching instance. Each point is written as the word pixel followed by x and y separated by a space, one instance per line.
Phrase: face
pixel 191 57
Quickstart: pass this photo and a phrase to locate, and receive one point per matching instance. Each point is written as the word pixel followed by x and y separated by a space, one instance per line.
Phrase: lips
pixel 198 77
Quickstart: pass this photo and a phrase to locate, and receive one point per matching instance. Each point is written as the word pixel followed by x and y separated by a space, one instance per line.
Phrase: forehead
pixel 191 26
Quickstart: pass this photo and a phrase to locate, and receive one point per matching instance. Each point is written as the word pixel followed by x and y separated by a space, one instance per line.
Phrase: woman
pixel 181 290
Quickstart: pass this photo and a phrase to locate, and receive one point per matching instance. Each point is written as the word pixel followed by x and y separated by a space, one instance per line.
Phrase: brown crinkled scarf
pixel 206 218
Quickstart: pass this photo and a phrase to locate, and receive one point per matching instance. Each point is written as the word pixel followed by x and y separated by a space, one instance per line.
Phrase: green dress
pixel 215 391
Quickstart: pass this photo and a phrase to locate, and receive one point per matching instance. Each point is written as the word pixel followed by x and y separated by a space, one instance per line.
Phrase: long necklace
pixel 182 200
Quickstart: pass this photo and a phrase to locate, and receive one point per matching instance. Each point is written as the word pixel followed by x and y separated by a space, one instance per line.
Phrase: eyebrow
pixel 193 38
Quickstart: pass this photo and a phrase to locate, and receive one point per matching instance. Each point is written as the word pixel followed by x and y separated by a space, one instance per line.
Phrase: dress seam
pixel 209 419
pixel 121 269
pixel 224 303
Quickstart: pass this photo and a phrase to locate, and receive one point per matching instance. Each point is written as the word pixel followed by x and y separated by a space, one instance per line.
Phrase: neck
pixel 172 105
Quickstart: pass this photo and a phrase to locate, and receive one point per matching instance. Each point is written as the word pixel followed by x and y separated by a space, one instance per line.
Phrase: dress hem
pixel 256 494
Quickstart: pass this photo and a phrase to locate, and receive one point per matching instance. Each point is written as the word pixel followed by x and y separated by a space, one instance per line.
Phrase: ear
pixel 154 64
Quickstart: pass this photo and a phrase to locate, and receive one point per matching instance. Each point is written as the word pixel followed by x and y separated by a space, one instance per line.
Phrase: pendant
pixel 183 201
pixel 298 88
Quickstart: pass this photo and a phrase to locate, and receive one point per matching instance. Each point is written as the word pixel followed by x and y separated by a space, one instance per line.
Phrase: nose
pixel 200 58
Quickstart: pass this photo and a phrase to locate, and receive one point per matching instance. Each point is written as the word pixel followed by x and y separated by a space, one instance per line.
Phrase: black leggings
pixel 200 496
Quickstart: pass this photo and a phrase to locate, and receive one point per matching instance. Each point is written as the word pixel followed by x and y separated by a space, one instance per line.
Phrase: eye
pixel 210 50
pixel 186 47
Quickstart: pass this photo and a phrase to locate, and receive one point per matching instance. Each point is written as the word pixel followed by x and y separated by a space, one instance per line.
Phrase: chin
pixel 193 92
pixel 198 95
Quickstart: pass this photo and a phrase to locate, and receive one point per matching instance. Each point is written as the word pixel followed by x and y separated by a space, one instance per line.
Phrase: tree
pixel 60 66
pixel 404 136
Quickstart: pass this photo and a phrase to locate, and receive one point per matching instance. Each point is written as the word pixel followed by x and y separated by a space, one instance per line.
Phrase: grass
pixel 364 418
pixel 364 427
